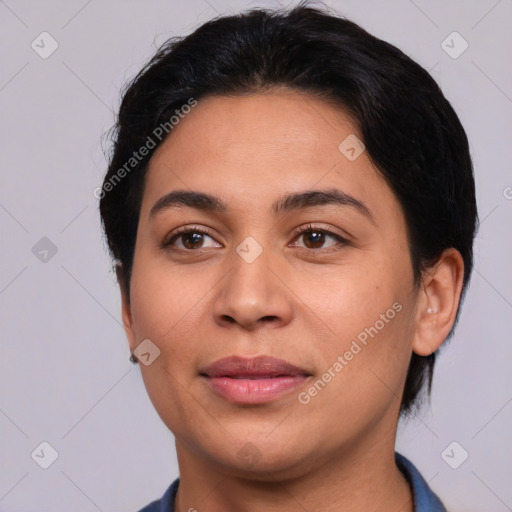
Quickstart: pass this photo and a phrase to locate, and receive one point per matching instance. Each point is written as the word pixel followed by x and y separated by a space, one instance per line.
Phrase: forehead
pixel 251 149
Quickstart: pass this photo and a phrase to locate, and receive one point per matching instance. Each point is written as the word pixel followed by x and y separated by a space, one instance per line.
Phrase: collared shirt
pixel 424 499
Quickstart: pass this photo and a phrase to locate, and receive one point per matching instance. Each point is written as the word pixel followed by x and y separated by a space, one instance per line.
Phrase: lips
pixel 252 380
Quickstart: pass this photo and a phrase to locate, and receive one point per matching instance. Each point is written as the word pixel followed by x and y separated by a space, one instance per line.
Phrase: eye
pixel 193 238
pixel 314 238
pixel 190 239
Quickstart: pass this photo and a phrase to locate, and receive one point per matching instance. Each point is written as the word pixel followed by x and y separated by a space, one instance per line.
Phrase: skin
pixel 303 299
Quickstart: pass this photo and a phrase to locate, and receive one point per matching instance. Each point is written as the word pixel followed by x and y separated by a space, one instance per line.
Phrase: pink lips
pixel 252 380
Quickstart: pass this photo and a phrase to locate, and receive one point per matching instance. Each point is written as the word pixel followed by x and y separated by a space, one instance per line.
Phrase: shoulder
pixel 424 498
pixel 166 502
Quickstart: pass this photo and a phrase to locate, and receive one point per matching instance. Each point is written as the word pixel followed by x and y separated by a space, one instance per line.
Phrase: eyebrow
pixel 288 202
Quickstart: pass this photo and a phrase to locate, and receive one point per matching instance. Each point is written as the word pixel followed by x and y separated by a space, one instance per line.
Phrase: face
pixel 261 268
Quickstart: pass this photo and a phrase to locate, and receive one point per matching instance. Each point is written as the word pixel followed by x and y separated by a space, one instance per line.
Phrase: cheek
pixel 369 313
pixel 164 299
pixel 344 300
pixel 364 373
pixel 166 305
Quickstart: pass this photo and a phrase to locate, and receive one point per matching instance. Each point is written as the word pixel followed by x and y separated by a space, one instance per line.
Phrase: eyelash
pixel 300 231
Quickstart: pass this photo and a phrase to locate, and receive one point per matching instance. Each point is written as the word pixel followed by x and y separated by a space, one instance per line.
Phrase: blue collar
pixel 424 499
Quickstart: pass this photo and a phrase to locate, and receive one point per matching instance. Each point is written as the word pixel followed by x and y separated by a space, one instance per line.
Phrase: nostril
pixel 264 319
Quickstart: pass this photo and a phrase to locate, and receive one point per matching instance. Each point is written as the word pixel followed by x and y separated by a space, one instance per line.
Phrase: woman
pixel 290 205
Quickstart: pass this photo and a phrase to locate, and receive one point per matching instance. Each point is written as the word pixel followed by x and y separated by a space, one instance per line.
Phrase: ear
pixel 438 302
pixel 126 310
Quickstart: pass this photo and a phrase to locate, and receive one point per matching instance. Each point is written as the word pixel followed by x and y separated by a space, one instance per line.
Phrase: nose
pixel 252 295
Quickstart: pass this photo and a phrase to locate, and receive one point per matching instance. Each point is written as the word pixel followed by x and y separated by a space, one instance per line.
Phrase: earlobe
pixel 126 311
pixel 438 302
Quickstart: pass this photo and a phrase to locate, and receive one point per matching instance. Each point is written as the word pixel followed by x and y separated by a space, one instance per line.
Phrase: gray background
pixel 65 377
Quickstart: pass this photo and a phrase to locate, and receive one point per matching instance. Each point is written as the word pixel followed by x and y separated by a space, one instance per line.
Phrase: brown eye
pixel 314 238
pixel 189 240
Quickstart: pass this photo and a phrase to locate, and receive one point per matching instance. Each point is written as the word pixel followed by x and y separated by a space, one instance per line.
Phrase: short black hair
pixel 410 131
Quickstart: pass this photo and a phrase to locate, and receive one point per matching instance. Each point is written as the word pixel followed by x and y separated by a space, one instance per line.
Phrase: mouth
pixel 253 380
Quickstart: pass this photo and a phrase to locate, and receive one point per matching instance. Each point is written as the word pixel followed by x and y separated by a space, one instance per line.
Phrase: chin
pixel 262 458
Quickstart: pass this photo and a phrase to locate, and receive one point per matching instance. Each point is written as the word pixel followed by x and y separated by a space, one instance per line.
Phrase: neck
pixel 351 480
